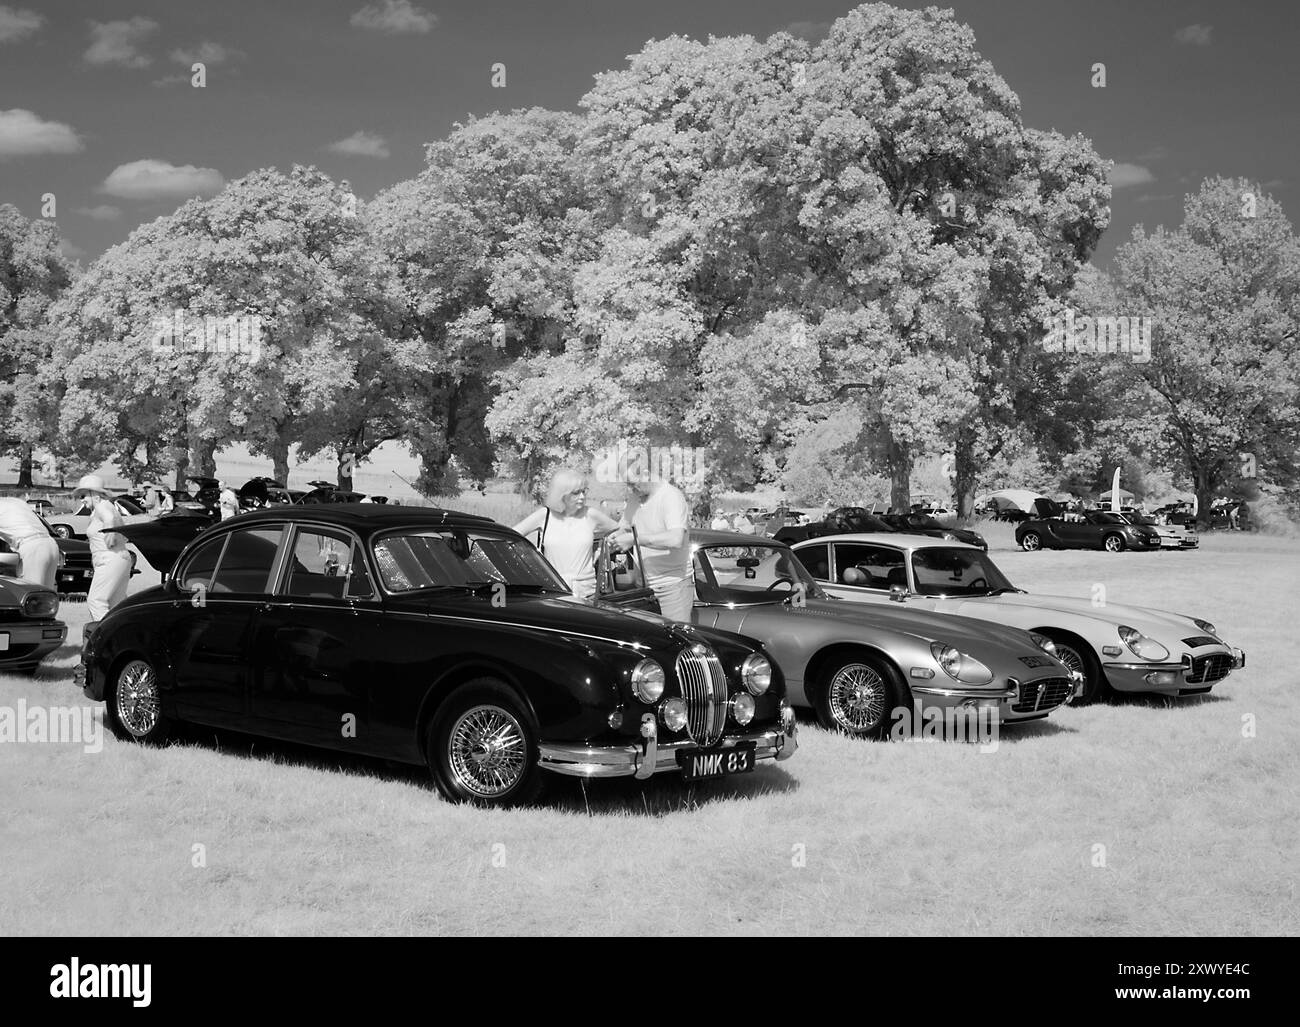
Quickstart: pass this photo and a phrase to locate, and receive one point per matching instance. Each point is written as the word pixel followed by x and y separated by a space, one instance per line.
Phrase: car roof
pixel 366 516
pixel 897 540
pixel 709 537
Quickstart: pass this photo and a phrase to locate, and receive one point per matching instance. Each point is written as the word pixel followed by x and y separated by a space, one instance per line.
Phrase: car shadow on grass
pixel 1151 700
pixel 660 796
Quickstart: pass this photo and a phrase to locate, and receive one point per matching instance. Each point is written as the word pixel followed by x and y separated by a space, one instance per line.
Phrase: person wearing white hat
pixel 27 536
pixel 108 552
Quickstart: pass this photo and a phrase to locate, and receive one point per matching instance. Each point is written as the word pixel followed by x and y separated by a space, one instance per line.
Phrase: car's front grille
pixel 1199 640
pixel 1042 695
pixel 1205 669
pixel 704 687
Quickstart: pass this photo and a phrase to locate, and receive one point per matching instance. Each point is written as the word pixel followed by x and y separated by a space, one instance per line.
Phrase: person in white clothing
pixel 566 530
pixel 662 518
pixel 720 522
pixel 108 552
pixel 22 528
pixel 228 501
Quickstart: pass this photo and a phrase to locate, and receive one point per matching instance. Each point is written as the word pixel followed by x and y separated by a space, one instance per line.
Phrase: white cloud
pixel 114 42
pixel 361 144
pixel 207 53
pixel 157 180
pixel 71 250
pixel 24 134
pixel 1194 35
pixel 1123 176
pixel 16 24
pixel 394 17
pixel 102 212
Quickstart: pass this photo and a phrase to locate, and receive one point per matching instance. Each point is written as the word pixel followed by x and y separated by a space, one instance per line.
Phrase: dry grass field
pixel 1141 817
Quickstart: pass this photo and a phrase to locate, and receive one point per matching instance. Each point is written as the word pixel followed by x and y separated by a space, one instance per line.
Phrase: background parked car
pixel 73 525
pixel 29 626
pixel 1092 529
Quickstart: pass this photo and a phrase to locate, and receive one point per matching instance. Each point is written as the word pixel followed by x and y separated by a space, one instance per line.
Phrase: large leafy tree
pixel 1222 387
pixel 287 249
pixel 33 273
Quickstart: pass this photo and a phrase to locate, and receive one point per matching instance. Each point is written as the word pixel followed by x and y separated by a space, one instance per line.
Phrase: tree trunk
pixel 280 460
pixel 900 476
pixel 345 478
pixel 964 479
pixel 25 467
pixel 1206 484
pixel 182 456
pixel 203 457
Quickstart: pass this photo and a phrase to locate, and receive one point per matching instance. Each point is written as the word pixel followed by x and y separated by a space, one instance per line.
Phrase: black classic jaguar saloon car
pixel 425 636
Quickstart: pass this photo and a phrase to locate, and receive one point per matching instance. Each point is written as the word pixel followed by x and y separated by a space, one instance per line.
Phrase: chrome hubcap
pixel 857 698
pixel 1071 658
pixel 486 750
pixel 1031 541
pixel 137 698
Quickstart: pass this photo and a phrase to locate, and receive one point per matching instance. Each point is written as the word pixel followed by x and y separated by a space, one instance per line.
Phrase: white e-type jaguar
pixel 1125 648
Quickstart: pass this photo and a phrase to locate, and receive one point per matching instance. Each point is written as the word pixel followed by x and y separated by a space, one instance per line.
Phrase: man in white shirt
pixel 27 536
pixel 227 501
pixel 658 511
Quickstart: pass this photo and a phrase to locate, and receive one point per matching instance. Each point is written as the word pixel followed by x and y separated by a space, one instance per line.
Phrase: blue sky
pixel 96 105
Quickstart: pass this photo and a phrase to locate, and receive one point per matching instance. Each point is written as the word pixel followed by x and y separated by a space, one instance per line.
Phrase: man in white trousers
pixel 108 552
pixel 27 536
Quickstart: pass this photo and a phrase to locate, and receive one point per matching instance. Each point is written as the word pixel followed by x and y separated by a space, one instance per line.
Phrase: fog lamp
pixel 673 714
pixel 742 708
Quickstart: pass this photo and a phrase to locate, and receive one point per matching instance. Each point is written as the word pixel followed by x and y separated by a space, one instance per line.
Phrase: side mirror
pixel 898 593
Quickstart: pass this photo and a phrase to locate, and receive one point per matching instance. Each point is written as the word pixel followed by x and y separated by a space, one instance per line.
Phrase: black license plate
pixel 699 764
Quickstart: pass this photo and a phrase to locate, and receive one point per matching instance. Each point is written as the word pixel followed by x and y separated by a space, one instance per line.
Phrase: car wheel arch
pixel 461 674
pixel 1077 641
pixel 836 651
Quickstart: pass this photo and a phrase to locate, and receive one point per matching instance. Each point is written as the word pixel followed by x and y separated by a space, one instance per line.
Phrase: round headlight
pixel 742 708
pixel 648 681
pixel 1043 642
pixel 948 658
pixel 673 714
pixel 1140 645
pixel 1206 626
pixel 756 672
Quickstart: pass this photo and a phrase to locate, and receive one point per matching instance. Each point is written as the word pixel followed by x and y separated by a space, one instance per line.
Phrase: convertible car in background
pixel 858 667
pixel 856 518
pixel 1125 648
pixel 446 638
pixel 1092 529
pixel 1172 536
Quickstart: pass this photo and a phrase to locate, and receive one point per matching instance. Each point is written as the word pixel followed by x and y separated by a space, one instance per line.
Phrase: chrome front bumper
pixel 1166 678
pixel 652 757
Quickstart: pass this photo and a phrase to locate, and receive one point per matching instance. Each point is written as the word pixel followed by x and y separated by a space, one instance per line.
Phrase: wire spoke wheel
pixel 486 751
pixel 857 698
pixel 136 695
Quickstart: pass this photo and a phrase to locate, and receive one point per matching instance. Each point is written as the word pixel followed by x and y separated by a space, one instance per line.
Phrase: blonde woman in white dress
pixel 564 530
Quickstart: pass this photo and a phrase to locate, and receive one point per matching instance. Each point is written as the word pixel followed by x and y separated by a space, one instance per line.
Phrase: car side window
pixel 248 560
pixel 201 565
pixel 816 560
pixel 864 566
pixel 327 564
